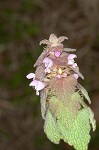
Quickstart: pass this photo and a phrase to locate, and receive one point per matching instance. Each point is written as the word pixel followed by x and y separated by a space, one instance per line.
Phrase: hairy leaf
pixel 40 72
pixel 64 123
pixel 41 57
pixel 43 97
pixel 76 70
pixel 67 113
pixel 84 92
pixel 78 136
pixel 50 128
pixel 63 88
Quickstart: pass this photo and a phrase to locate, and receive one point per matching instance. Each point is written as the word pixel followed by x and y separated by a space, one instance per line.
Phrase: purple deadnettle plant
pixel 66 115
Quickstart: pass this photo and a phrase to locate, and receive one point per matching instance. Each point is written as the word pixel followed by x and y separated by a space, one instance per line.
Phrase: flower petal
pixel 74 65
pixel 30 75
pixel 57 53
pixel 37 92
pixel 75 75
pixel 58 76
pixel 40 86
pixel 48 62
pixel 70 62
pixel 34 83
pixel 72 56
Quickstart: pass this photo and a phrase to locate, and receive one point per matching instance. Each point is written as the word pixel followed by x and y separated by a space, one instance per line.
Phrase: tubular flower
pixel 66 115
pixel 71 59
pixel 38 85
pixel 48 64
pixel 75 75
pixel 35 83
pixel 31 76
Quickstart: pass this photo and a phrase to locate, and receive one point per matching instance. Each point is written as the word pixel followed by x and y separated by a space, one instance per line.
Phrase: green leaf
pixel 78 136
pixel 70 123
pixel 51 129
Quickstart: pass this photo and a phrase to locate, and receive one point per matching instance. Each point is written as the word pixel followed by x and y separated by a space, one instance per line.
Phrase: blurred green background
pixel 23 23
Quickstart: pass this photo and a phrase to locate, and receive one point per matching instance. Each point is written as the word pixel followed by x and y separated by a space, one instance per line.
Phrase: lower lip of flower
pixel 30 75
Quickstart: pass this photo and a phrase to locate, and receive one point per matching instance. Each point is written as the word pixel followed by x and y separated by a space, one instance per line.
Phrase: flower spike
pixel 66 115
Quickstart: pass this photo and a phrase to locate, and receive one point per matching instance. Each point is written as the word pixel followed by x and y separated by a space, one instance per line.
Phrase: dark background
pixel 23 23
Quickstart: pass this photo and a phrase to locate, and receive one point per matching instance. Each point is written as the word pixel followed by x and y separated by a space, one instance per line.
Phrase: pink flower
pixel 64 75
pixel 58 76
pixel 30 76
pixel 72 56
pixel 48 64
pixel 37 84
pixel 74 65
pixel 71 60
pixel 75 75
pixel 57 53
